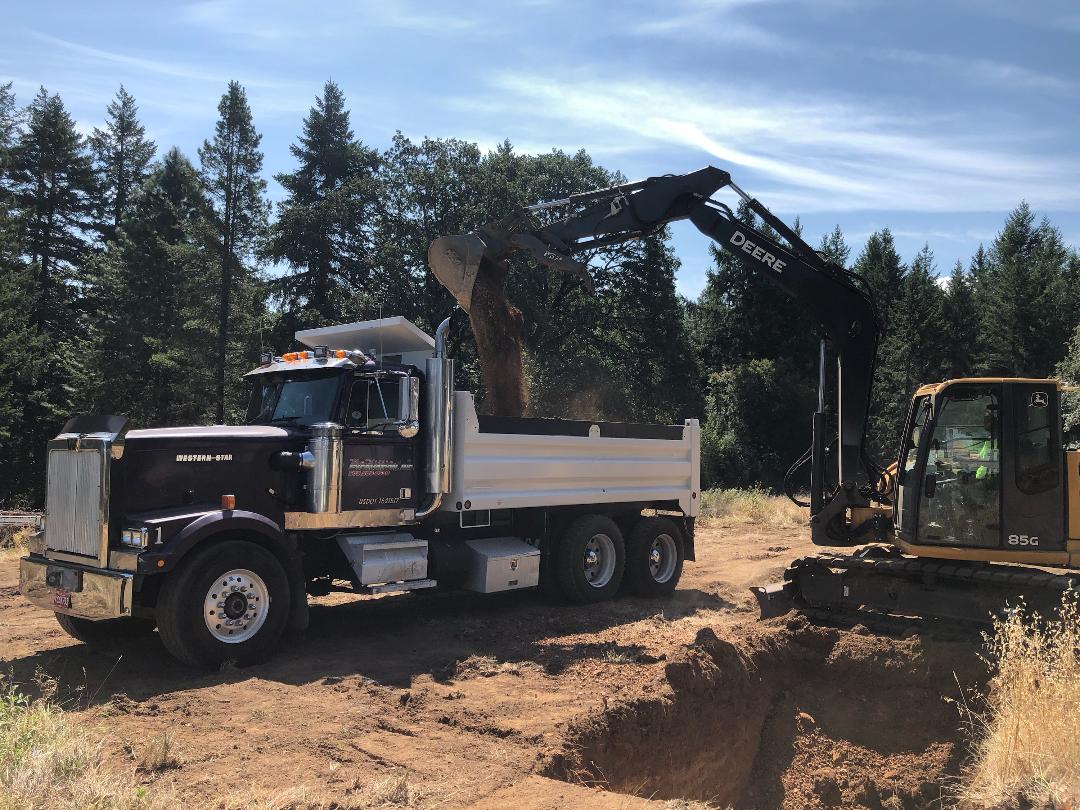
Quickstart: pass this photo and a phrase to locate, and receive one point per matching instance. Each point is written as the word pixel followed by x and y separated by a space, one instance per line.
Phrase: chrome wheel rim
pixel 236 606
pixel 663 557
pixel 599 560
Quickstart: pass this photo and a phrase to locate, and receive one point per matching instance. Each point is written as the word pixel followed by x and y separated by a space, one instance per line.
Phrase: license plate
pixel 62 599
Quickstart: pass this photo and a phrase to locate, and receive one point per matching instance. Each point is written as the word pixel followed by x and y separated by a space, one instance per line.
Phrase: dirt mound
pixel 796 716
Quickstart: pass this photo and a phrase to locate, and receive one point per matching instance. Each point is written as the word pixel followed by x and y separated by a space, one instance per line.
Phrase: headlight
pixel 135 538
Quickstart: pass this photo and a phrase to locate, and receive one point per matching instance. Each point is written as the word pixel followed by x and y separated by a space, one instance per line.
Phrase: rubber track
pixel 1012 580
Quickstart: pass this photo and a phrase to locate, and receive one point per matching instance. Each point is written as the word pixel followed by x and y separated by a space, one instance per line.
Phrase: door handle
pixel 929 485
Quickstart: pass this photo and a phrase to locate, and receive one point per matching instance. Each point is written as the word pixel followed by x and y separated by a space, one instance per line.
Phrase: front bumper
pixel 77 590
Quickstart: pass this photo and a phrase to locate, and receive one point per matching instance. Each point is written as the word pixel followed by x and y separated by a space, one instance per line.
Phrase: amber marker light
pixel 228 503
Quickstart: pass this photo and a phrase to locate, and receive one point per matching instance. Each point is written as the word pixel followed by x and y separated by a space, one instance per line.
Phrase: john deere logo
pixel 1039 399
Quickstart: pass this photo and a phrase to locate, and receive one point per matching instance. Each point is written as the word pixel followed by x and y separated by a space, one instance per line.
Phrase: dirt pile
pixel 797 716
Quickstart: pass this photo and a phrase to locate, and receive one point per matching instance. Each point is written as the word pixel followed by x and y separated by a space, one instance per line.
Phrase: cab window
pixel 373 403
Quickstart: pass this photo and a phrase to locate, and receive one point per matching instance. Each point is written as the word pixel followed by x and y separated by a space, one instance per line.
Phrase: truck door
pixel 1033 505
pixel 961 488
pixel 379 465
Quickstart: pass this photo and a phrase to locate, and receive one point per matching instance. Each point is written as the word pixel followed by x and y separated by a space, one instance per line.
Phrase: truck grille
pixel 75 506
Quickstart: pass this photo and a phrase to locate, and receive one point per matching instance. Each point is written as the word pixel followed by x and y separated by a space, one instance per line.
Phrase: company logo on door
pixel 375 467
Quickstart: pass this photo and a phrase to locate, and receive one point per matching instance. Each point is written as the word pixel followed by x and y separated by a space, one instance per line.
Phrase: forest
pixel 138 280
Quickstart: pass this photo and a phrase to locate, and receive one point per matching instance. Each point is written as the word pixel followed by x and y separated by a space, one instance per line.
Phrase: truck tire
pixel 106 632
pixel 654 557
pixel 229 602
pixel 590 559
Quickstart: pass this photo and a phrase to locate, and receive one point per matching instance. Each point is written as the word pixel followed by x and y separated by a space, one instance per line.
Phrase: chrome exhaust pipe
pixel 438 422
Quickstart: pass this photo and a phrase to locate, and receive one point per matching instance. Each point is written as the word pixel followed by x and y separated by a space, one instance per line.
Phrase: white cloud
pixel 981 70
pixel 826 156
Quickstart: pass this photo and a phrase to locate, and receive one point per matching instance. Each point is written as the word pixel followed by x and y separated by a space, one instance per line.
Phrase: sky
pixel 932 118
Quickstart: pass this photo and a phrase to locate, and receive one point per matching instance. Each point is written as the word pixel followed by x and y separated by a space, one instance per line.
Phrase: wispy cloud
pixel 985 71
pixel 824 156
pixel 281 22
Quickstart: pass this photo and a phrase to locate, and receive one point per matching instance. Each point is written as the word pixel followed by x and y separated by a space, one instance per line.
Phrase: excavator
pixel 984 495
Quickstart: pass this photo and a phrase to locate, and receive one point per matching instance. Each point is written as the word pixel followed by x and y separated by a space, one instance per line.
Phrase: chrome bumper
pixel 89 593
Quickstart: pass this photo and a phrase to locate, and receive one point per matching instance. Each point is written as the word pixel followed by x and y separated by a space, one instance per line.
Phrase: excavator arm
pixel 832 296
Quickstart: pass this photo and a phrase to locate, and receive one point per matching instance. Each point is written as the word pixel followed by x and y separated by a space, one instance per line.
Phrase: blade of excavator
pixel 455 261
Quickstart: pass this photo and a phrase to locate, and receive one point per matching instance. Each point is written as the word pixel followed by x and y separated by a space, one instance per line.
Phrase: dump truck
pixel 359 467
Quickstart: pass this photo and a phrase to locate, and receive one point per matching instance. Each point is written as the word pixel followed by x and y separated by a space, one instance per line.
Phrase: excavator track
pixel 878 582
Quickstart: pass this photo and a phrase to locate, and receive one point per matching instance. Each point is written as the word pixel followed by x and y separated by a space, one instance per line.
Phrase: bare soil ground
pixel 511 700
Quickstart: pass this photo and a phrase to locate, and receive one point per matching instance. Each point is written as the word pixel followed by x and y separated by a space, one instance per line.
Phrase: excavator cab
pixel 982 472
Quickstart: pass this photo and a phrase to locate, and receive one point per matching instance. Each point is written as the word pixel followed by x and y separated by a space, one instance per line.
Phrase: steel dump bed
pixel 512 463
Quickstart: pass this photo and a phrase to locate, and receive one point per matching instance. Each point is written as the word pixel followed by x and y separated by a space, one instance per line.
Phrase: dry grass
pixel 1026 742
pixel 752 506
pixel 392 791
pixel 14 542
pixel 46 761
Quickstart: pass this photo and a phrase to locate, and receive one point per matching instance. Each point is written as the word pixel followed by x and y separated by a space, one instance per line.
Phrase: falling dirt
pixel 497 327
pixel 511 700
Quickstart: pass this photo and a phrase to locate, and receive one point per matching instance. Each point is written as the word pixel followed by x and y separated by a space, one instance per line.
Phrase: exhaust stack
pixel 439 385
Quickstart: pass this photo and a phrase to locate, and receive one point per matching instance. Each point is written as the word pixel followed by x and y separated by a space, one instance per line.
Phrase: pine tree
pixel 231 163
pixel 324 225
pixel 647 351
pixel 122 155
pixel 1022 322
pixel 960 323
pixel 880 265
pixel 912 353
pixel 52 187
pixel 154 275
pixel 835 248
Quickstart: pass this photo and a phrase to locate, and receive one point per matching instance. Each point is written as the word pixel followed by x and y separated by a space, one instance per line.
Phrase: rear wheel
pixel 106 632
pixel 590 559
pixel 230 602
pixel 654 557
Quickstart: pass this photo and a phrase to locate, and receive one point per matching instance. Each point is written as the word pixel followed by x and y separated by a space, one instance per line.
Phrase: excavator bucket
pixel 455 261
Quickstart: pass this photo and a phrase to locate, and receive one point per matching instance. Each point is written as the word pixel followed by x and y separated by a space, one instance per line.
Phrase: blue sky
pixel 934 118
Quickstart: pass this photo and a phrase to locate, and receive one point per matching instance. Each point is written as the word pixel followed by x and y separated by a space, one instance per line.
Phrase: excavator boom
pixel 832 296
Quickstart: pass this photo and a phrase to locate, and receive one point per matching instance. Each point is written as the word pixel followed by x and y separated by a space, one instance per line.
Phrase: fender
pixel 167 556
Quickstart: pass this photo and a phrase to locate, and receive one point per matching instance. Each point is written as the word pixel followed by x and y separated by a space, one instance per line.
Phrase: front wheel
pixel 230 602
pixel 589 559
pixel 654 557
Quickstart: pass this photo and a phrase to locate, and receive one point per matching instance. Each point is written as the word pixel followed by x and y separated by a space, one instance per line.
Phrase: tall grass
pixel 752 506
pixel 47 762
pixel 1026 741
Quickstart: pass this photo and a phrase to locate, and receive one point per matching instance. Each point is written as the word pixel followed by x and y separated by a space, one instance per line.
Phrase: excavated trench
pixel 797 716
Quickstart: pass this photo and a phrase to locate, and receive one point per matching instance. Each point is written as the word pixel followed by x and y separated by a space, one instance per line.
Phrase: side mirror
pixel 409 407
pixel 930 485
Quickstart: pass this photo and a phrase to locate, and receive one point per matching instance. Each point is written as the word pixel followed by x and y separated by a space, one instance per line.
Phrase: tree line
pixel 140 281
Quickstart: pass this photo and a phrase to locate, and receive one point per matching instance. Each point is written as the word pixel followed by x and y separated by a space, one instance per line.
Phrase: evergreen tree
pixel 646 343
pixel 324 225
pixel 155 274
pixel 231 163
pixel 960 316
pixel 1022 322
pixel 9 126
pixel 122 155
pixel 912 353
pixel 880 265
pixel 52 185
pixel 835 247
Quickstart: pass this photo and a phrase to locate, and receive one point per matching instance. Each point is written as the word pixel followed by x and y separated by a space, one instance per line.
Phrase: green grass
pixel 47 762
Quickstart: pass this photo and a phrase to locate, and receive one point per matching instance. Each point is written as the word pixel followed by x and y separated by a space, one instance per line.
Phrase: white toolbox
pixel 502 564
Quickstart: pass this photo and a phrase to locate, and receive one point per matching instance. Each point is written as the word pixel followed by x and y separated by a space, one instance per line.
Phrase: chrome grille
pixel 75 509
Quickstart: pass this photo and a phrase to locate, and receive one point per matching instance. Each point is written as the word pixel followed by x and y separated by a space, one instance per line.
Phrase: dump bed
pixel 509 463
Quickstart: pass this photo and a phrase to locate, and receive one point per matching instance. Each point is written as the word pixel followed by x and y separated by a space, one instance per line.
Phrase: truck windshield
pixel 292 400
